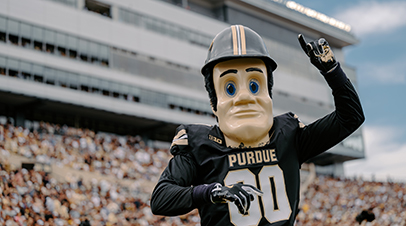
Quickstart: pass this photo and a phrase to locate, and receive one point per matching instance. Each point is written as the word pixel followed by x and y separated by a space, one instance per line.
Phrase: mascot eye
pixel 254 86
pixel 230 88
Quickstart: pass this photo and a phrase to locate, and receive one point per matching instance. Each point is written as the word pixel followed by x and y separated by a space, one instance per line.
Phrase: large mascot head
pixel 238 76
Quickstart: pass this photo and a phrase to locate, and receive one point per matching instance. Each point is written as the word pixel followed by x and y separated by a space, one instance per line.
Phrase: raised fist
pixel 320 53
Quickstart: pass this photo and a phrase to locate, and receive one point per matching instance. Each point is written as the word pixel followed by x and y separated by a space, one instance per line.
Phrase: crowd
pixel 336 201
pixel 31 197
pixel 82 149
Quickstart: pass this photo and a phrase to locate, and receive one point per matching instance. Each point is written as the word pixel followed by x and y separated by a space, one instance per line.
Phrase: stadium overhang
pixel 289 14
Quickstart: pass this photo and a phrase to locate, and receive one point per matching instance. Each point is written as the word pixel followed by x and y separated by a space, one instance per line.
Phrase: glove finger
pixel 319 46
pixel 310 49
pixel 251 197
pixel 303 43
pixel 242 193
pixel 230 197
pixel 238 203
pixel 252 190
pixel 322 45
pixel 241 198
pixel 315 49
pixel 246 202
pixel 322 42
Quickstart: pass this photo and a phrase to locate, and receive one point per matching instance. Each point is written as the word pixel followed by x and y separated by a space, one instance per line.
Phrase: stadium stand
pixel 59 175
pixel 82 149
pixel 76 187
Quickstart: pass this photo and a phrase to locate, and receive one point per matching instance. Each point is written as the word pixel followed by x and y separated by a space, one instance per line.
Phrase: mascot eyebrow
pixel 229 71
pixel 253 69
pixel 234 71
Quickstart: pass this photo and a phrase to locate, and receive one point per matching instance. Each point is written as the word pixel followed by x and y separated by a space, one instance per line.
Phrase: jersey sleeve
pixel 328 131
pixel 173 193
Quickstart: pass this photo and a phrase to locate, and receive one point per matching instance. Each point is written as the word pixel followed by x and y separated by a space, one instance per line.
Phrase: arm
pixel 173 193
pixel 326 132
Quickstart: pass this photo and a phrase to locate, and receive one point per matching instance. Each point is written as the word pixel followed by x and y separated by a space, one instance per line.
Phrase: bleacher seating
pixel 106 179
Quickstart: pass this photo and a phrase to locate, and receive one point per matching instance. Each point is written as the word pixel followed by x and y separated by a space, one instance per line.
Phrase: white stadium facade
pixel 133 66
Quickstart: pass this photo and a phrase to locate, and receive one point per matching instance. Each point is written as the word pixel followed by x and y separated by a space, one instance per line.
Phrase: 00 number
pixel 275 201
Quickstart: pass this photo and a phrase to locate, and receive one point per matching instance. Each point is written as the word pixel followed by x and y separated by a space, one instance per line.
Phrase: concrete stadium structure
pixel 133 67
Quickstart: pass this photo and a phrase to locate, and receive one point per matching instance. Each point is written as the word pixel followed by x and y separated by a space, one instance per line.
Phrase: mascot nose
pixel 244 97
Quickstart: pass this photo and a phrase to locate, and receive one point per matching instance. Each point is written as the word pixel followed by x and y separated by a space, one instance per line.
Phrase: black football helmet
pixel 237 41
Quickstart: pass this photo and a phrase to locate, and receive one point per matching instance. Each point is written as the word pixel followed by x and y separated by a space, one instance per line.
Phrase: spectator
pixel 365 216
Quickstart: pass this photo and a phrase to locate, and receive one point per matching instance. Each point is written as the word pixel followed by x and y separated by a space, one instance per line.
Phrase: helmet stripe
pixel 234 34
pixel 243 41
pixel 238 39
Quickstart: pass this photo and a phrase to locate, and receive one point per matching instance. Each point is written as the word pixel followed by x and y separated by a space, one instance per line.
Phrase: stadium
pixel 92 91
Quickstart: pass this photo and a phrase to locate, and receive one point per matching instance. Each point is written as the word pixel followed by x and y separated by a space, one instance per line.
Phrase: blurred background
pixel 91 92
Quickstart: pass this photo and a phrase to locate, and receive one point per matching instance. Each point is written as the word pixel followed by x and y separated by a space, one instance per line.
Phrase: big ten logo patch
pixel 215 139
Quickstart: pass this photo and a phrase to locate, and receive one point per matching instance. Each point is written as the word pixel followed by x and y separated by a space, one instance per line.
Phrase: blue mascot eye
pixel 254 86
pixel 230 88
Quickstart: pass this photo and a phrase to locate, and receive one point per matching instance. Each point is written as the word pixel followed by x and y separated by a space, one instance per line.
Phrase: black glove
pixel 240 194
pixel 320 53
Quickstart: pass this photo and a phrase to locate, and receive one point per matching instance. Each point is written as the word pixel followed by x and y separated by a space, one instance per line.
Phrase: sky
pixel 380 61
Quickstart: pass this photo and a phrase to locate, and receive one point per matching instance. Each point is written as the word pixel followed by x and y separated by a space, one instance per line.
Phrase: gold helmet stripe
pixel 234 33
pixel 239 41
pixel 243 41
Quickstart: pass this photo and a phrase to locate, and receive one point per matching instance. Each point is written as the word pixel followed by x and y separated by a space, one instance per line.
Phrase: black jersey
pixel 201 157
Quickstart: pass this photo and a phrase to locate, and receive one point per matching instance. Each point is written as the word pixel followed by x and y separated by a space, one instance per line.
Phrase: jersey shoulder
pixel 186 137
pixel 290 120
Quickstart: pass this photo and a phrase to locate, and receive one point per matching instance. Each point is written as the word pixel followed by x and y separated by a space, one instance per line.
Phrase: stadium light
pixel 316 15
